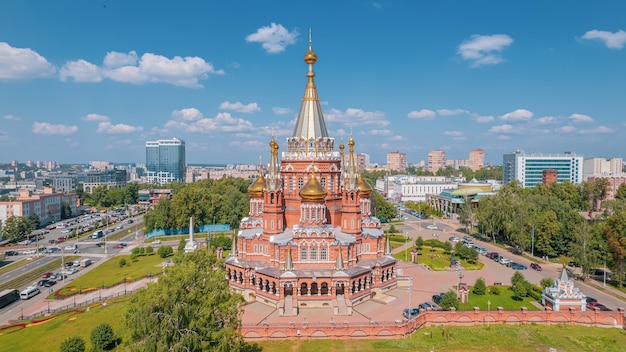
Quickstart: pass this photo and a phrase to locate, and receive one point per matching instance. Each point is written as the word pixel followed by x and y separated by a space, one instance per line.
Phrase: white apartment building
pixel 403 188
pixel 600 167
pixel 527 168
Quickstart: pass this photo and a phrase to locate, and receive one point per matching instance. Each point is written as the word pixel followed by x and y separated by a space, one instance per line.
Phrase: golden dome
pixel 257 187
pixel 310 58
pixel 313 190
pixel 364 187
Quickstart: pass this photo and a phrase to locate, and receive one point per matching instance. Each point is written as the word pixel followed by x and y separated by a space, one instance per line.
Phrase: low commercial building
pixel 47 206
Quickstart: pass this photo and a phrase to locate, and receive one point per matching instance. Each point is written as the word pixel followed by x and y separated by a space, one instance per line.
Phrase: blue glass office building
pixel 527 168
pixel 165 161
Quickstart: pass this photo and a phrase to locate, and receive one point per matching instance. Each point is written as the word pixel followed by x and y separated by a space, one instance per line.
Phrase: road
pixel 87 248
pixel 414 227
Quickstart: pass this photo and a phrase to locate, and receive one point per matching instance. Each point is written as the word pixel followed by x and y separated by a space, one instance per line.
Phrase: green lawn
pixel 504 300
pixel 493 338
pixel 110 273
pixel 439 260
pixel 47 333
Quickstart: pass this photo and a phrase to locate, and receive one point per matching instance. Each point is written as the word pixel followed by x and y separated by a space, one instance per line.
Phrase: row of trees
pixel 546 220
pixel 18 228
pixel 104 197
pixel 223 201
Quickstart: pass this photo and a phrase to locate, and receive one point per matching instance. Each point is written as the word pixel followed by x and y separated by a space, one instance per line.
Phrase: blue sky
pixel 88 80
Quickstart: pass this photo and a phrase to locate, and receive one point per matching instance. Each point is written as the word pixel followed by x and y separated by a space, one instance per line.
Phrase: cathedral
pixel 310 240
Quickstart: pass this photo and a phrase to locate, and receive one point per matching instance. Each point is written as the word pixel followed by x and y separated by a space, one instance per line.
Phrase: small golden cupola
pixel 257 187
pixel 313 190
pixel 364 187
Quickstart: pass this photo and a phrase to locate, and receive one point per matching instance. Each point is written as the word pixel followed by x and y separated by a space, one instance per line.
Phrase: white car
pixel 71 247
pixel 29 251
pixel 504 261
pixel 431 227
pixel 156 242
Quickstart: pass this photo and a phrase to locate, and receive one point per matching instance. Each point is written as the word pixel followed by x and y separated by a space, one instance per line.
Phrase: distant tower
pixel 165 161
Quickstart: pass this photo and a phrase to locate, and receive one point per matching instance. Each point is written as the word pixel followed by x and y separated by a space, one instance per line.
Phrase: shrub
pixel 136 250
pixel 133 257
pixel 546 282
pixel 149 250
pixel 419 242
pixel 73 344
pixel 479 288
pixel 102 337
pixel 122 262
pixel 517 277
pixel 449 300
pixel 181 245
pixel 494 290
pixel 519 289
pixel 165 251
pixel 447 247
pixel 221 241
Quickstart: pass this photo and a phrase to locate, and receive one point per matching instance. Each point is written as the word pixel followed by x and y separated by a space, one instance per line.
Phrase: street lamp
pixel 406 248
pixel 410 291
pixel 488 311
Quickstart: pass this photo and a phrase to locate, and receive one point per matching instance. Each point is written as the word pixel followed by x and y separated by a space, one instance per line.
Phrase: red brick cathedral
pixel 310 240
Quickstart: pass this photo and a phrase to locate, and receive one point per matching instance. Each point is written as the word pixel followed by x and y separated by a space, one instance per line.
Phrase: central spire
pixel 310 125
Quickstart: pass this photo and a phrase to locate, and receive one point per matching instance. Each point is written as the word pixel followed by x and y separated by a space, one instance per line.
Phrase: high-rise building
pixel 600 167
pixel 311 238
pixel 362 161
pixel 165 161
pixel 476 159
pixel 527 168
pixel 436 160
pixel 396 161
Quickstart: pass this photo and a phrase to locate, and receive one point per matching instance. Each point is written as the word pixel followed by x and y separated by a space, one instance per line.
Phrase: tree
pixel 447 247
pixel 165 251
pixel 102 337
pixel 73 344
pixel 615 232
pixel 519 289
pixel 479 288
pixel 66 211
pixel 419 242
pixel 546 282
pixel 122 262
pixel 181 245
pixel 382 208
pixel 548 230
pixel 190 308
pixel 449 300
pixel 149 250
pixel 517 277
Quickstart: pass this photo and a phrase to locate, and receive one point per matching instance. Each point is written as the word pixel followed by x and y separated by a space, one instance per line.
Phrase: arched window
pixel 303 254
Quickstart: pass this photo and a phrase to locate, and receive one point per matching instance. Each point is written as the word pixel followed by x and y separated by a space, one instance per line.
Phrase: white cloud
pixel 580 118
pixel 50 129
pixel 240 107
pixel 598 130
pixel 546 120
pixel 506 128
pixel 96 117
pixel 189 114
pixel 453 133
pixel 12 117
pixel 281 111
pixel 23 64
pixel 424 114
pixel 483 119
pixel 274 38
pixel 223 122
pixel 356 117
pixel 517 115
pixel 484 49
pixel 504 137
pixel 120 128
pixel 115 59
pixel 397 138
pixel 565 129
pixel 151 68
pixel 611 40
pixel 80 71
pixel 380 132
pixel 448 112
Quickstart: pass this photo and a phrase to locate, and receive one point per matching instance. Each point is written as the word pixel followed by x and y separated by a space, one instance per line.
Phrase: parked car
pixel 431 227
pixel 518 266
pixel 535 266
pixel 454 239
pixel 11 253
pixel 410 313
pixel 71 247
pixel 437 298
pixel 504 261
pixel 591 300
pixel 49 283
pixel 430 304
pixel 156 242
pixel 46 275
pixel 602 307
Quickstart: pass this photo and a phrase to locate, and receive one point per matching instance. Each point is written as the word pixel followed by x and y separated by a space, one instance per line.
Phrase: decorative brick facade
pixel 310 239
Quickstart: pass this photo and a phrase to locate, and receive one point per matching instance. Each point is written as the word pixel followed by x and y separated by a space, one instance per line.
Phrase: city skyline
pixel 90 81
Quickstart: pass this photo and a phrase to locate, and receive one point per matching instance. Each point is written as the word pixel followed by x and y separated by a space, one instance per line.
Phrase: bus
pixel 8 296
pixel 29 292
